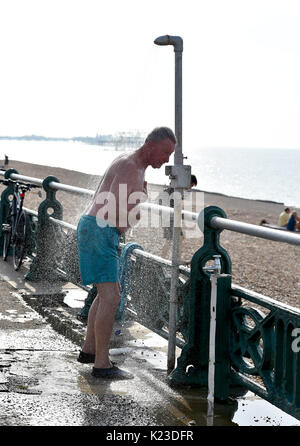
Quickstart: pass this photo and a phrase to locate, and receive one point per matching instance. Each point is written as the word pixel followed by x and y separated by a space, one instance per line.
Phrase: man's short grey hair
pixel 160 133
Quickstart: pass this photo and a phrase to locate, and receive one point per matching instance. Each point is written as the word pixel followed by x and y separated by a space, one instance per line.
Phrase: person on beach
pixel 294 222
pixel 112 211
pixel 284 217
pixel 168 230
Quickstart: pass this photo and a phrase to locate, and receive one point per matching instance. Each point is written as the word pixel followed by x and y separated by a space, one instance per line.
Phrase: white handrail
pixel 215 222
pixel 255 230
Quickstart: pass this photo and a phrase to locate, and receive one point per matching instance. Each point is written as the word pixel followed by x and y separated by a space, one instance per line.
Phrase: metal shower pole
pixel 177 43
pixel 180 179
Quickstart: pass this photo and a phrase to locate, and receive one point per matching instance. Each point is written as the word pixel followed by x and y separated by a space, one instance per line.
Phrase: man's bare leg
pixel 109 299
pixel 95 317
pixel 89 345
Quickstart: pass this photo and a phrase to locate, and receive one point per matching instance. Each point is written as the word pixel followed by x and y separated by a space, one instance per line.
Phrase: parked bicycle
pixel 15 228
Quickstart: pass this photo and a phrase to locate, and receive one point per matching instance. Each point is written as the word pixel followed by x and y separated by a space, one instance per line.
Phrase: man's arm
pixel 129 185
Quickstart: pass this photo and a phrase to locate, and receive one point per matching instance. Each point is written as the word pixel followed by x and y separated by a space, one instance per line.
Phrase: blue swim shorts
pixel 97 251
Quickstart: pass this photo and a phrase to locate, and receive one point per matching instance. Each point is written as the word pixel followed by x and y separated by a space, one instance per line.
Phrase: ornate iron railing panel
pixel 264 353
pixel 148 301
pixel 64 242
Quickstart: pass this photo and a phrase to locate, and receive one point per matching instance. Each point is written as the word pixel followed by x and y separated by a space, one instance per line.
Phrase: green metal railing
pixel 254 333
pixel 262 346
pixel 255 345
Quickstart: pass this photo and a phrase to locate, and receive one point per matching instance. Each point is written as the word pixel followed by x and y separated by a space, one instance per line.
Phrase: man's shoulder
pixel 123 164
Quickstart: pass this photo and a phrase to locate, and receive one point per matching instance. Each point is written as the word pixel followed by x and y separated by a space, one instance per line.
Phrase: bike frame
pixel 13 236
pixel 17 207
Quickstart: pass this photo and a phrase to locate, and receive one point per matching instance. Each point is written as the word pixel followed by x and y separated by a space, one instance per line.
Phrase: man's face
pixel 161 152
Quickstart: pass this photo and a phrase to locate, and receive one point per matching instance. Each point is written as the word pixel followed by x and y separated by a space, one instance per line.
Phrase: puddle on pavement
pixel 51 372
pixel 253 411
pixel 15 316
pixel 75 298
pixel 138 352
pixel 249 410
pixel 22 384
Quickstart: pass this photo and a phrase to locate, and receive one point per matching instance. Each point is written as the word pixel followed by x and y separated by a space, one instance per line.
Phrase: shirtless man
pixel 112 211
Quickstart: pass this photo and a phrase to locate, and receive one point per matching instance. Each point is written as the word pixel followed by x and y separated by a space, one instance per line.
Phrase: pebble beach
pixel 266 267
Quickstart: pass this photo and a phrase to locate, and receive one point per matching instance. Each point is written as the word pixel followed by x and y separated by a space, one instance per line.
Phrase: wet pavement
pixel 42 384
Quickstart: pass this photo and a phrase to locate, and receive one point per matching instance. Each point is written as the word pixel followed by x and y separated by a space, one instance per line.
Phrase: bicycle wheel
pixel 6 231
pixel 19 241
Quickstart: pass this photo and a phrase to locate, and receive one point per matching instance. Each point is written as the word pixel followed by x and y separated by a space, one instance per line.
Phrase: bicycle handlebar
pixel 26 186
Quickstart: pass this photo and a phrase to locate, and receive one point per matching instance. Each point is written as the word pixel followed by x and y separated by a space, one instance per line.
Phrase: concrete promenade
pixel 42 384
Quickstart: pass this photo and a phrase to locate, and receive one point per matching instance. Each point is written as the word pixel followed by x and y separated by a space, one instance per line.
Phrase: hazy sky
pixel 71 68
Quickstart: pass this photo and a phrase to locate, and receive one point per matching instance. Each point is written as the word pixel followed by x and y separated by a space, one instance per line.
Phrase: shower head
pixel 176 41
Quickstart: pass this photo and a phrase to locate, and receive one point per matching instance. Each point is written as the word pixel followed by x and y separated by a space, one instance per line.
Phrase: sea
pixel 259 174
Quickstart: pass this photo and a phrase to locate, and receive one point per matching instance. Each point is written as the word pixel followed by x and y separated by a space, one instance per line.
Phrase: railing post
pixel 5 203
pixel 44 264
pixel 192 365
pixel 219 366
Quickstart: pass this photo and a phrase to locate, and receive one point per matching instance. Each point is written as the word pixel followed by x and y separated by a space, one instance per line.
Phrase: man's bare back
pixel 123 185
